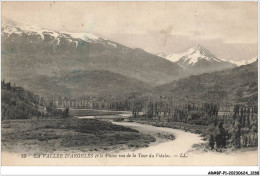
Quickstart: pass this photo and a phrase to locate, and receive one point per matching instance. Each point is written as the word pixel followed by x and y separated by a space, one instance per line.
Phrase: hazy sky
pixel 228 29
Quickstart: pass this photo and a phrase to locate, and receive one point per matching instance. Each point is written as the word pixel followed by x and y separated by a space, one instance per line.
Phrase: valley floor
pixel 170 143
pixel 178 152
pixel 70 134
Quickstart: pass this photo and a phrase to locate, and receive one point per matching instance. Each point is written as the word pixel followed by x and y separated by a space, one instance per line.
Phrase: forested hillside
pixel 17 103
pixel 98 83
pixel 222 106
pixel 237 85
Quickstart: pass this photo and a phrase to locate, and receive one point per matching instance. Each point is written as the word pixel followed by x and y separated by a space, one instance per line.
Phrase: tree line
pixel 18 103
pixel 239 129
pixel 236 128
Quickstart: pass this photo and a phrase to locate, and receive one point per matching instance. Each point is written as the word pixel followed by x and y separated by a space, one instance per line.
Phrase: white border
pixel 125 170
pixel 128 170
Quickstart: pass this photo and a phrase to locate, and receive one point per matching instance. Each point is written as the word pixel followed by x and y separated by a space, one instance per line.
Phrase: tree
pixel 65 113
pixel 237 134
pixel 211 141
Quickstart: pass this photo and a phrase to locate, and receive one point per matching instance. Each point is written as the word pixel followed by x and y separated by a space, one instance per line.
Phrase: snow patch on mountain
pixel 163 55
pixel 174 57
pixel 114 45
pixel 246 61
pixel 83 36
pixel 10 27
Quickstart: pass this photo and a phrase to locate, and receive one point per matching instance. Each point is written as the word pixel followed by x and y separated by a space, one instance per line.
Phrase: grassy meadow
pixel 71 134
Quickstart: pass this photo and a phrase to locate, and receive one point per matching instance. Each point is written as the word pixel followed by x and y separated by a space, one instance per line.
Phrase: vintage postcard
pixel 129 84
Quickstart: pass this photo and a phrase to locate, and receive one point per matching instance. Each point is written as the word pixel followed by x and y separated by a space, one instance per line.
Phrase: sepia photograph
pixel 129 83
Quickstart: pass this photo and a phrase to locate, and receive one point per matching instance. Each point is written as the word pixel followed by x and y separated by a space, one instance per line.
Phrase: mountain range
pixel 64 52
pixel 51 63
pixel 30 54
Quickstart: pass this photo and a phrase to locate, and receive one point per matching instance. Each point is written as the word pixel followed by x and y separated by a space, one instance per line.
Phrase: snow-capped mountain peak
pixel 195 54
pixel 10 27
pixel 200 59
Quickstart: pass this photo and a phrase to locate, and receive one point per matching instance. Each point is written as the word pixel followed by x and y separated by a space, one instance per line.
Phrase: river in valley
pixel 177 152
pixel 119 114
pixel 180 151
